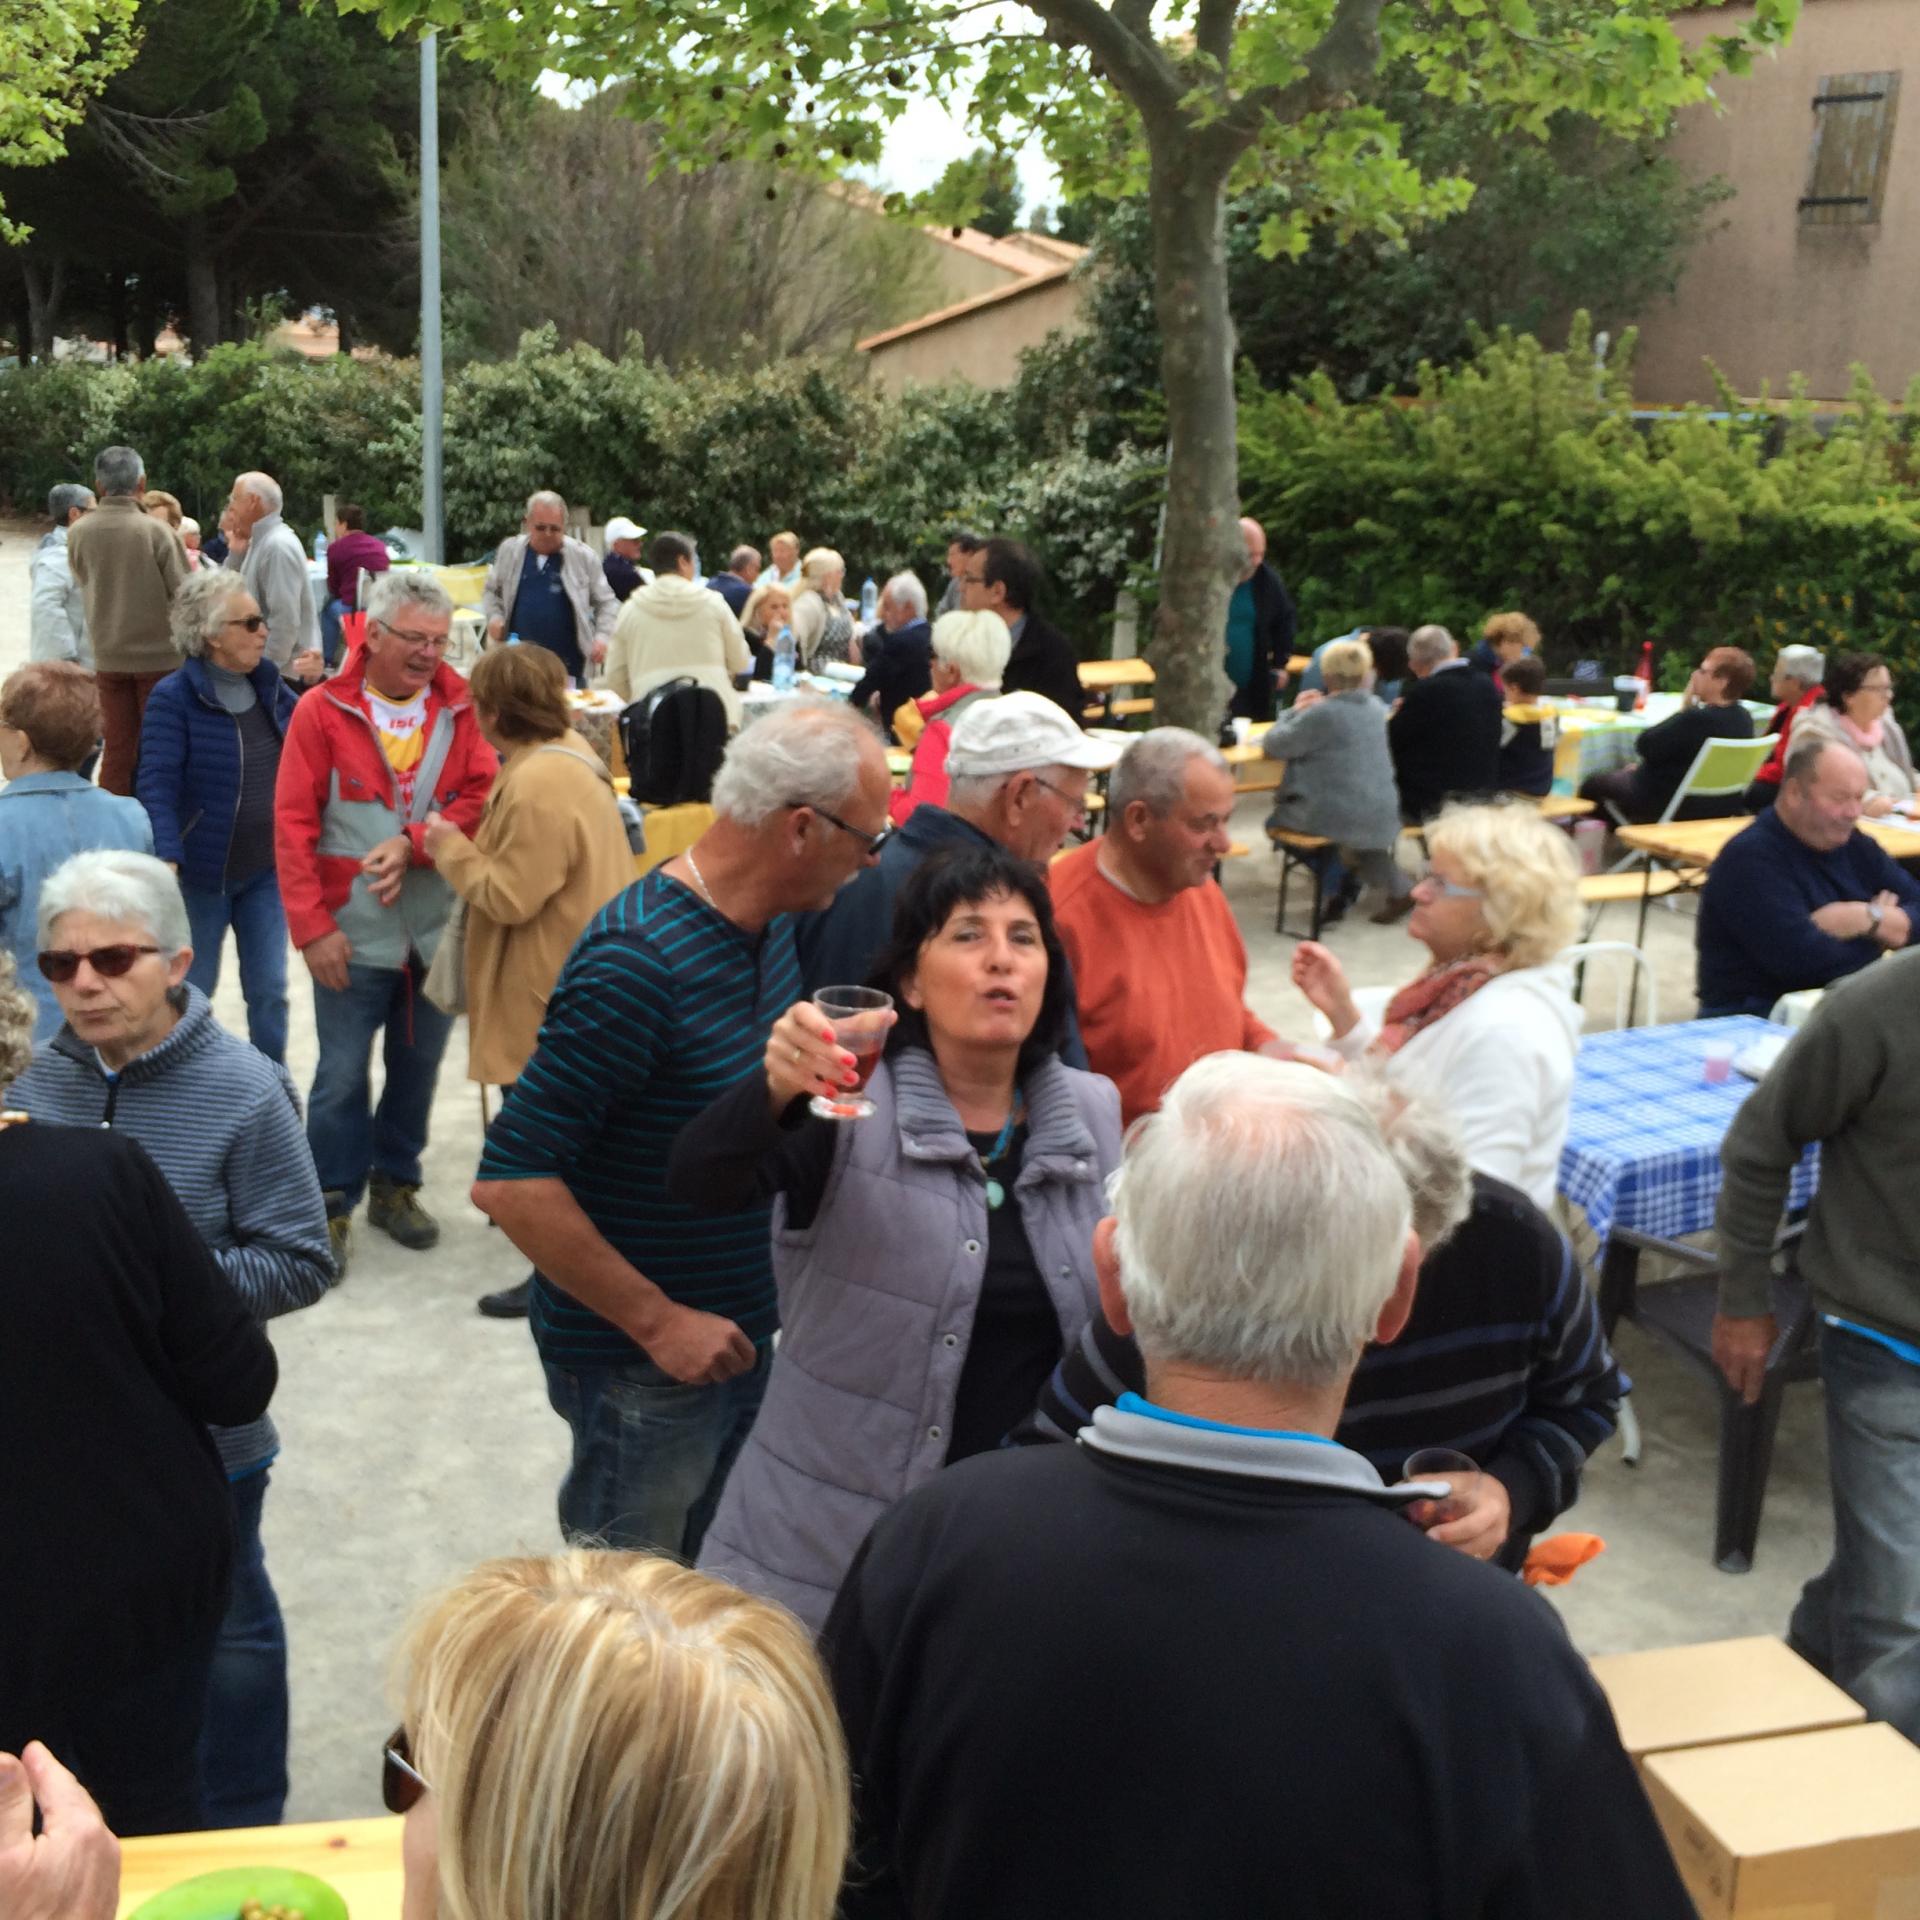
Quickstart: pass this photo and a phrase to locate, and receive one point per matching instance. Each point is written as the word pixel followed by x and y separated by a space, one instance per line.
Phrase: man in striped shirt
pixel 655 1323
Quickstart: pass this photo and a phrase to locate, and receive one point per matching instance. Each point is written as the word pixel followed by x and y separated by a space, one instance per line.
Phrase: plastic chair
pixel 1627 992
pixel 1721 770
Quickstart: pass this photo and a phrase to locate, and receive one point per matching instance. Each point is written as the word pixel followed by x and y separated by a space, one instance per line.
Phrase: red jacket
pixel 1782 724
pixel 927 780
pixel 336 799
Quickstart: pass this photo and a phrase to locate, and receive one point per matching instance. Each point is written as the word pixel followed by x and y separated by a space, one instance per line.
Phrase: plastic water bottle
pixel 784 653
pixel 513 639
pixel 869 602
pixel 320 544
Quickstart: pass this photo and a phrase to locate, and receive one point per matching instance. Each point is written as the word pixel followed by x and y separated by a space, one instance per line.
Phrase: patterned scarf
pixel 1437 991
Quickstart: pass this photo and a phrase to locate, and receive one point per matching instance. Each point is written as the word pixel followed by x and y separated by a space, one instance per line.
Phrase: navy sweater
pixel 1757 939
pixel 189 773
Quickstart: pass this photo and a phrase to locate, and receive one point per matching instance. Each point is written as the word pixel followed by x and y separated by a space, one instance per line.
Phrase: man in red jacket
pixel 368 755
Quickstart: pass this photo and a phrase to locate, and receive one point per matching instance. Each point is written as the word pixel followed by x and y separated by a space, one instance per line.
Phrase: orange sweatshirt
pixel 1159 987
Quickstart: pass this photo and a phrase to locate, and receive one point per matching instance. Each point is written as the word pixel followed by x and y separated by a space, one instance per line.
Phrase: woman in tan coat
pixel 549 853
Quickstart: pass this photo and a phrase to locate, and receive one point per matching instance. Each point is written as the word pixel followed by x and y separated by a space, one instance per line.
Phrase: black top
pixel 1670 749
pixel 737 1154
pixel 120 1341
pixel 250 851
pixel 1273 630
pixel 622 575
pixel 1077 1685
pixel 1445 739
pixel 899 669
pixel 1043 661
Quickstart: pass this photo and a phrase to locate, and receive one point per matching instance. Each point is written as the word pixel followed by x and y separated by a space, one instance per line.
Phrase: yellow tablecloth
pixel 359 1858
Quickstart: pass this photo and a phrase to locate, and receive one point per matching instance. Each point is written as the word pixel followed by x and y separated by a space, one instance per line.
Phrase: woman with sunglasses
pixel 933 1260
pixel 209 755
pixel 120 1340
pixel 141 1054
pixel 1490 1028
pixel 49 809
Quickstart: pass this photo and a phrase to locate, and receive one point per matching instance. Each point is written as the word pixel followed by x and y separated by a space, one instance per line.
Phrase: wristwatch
pixel 1875 914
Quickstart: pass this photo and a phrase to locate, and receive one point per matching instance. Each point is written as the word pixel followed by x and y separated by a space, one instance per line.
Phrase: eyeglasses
pixel 1447 890
pixel 253 622
pixel 1078 802
pixel 439 642
pixel 1877 686
pixel 60 965
pixel 401 1783
pixel 875 841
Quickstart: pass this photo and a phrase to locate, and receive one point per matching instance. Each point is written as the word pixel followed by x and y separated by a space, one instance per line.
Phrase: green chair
pixel 1721 770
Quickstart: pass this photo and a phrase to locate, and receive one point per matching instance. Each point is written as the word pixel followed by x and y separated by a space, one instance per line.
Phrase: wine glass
pixel 1443 1463
pixel 859 1018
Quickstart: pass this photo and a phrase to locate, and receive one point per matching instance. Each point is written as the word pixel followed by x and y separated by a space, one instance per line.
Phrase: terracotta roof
pixel 995 296
pixel 1019 254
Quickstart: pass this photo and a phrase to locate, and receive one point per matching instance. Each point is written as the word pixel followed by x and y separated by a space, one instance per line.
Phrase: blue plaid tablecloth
pixel 1643 1138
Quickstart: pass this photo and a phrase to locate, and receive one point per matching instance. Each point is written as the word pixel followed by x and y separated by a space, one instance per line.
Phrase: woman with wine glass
pixel 934 1260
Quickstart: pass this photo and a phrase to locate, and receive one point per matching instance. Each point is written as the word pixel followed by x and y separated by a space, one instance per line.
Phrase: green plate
pixel 218 1896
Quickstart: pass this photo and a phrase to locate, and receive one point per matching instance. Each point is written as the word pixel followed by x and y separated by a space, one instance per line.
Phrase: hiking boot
pixel 339 1233
pixel 510 1303
pixel 396 1210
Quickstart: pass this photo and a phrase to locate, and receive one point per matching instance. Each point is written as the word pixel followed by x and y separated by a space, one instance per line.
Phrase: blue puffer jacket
pixel 188 778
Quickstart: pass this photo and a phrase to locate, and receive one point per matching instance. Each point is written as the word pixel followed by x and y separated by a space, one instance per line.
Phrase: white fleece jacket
pixel 671 627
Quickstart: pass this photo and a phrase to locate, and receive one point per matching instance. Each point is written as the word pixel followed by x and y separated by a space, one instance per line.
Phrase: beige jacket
pixel 128 566
pixel 671 627
pixel 550 851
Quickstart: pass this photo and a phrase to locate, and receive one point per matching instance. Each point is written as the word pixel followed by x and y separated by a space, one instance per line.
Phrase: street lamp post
pixel 432 378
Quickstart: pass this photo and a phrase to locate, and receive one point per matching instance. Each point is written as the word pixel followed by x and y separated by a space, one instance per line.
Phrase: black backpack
pixel 673 738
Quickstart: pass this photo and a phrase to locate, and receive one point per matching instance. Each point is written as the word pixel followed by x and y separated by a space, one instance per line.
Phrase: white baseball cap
pixel 1017 732
pixel 621 528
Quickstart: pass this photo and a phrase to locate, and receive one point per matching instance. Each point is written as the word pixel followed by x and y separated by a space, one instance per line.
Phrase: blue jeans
pixel 650 1455
pixel 243 1747
pixel 350 1137
pixel 259 925
pixel 1859 1621
pixel 330 635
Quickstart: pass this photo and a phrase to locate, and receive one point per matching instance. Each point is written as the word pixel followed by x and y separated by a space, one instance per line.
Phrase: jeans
pixel 253 911
pixel 1859 1621
pixel 331 638
pixel 650 1455
pixel 243 1749
pixel 350 1137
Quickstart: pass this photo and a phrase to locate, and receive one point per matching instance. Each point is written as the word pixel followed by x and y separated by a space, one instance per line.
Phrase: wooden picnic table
pixel 1698 842
pixel 360 1859
pixel 1102 676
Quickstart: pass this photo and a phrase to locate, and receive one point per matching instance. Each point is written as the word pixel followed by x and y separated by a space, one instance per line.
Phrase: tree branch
pixel 1130 58
pixel 1348 53
pixel 1213 30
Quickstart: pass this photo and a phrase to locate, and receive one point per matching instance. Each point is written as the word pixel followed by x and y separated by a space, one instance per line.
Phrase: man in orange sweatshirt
pixel 1158 963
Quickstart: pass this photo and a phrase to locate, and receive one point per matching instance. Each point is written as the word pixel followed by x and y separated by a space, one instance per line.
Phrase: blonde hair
pixel 753 616
pixel 1525 869
pixel 817 564
pixel 613 1734
pixel 1511 626
pixel 975 645
pixel 18 1013
pixel 168 504
pixel 1345 665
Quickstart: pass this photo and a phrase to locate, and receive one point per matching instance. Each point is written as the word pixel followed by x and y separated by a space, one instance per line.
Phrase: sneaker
pixel 396 1210
pixel 510 1303
pixel 339 1233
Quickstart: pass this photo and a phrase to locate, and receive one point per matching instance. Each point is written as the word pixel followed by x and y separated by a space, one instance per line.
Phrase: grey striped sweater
pixel 222 1123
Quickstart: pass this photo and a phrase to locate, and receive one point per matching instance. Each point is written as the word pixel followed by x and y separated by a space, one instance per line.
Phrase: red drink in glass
pixel 860 1017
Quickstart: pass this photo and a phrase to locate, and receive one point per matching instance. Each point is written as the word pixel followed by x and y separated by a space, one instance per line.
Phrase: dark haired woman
pixel 933 1261
pixel 1859 711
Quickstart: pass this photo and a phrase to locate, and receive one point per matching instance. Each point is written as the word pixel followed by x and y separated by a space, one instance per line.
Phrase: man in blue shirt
pixel 549 589
pixel 655 1322
pixel 1801 898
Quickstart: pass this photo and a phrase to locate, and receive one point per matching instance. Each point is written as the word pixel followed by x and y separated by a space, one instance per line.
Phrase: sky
pixel 927 137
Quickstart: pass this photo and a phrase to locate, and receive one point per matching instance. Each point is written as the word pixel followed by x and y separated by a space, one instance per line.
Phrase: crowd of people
pixel 1075 1383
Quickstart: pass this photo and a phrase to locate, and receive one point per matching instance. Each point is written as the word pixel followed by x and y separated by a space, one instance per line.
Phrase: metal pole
pixel 432 380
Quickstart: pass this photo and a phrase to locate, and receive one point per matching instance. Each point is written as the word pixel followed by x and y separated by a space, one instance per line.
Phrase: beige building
pixel 1818 263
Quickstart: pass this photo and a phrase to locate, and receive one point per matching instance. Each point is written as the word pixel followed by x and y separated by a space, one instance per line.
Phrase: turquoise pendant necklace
pixel 996 1193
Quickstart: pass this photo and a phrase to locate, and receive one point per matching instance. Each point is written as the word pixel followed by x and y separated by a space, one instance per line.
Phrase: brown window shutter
pixel 1853 121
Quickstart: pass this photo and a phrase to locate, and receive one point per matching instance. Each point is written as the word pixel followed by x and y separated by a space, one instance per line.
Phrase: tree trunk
pixel 117 308
pixel 344 321
pixel 46 285
pixel 203 288
pixel 1201 555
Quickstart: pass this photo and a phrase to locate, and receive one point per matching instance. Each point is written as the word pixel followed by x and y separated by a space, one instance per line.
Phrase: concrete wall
pixel 982 346
pixel 1770 296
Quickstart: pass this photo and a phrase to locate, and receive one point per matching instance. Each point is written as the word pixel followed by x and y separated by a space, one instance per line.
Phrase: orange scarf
pixel 1437 991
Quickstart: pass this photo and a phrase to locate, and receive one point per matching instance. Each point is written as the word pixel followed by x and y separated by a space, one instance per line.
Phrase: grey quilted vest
pixel 877 1301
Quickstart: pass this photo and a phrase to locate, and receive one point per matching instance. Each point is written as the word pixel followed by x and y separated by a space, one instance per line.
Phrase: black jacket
pixel 1445 739
pixel 1273 630
pixel 899 669
pixel 1043 661
pixel 1667 753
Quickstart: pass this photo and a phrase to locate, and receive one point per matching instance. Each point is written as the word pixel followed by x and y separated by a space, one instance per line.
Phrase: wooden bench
pixel 1115 710
pixel 1302 851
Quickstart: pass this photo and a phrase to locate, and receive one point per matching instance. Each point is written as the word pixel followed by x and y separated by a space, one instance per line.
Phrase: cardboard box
pixel 1808 1826
pixel 1723 1690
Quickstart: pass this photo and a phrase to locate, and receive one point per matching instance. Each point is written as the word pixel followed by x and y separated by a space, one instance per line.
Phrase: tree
pixel 989 183
pixel 1187 101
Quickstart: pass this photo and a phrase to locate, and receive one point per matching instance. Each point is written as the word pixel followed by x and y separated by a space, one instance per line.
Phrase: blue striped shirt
pixel 663 1005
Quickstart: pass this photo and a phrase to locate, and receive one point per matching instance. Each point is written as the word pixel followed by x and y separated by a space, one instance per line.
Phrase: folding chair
pixel 1721 770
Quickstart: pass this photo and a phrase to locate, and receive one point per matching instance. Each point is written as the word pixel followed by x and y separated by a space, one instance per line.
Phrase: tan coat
pixel 550 852
pixel 127 564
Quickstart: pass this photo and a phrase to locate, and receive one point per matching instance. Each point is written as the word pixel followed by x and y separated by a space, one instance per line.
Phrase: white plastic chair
pixel 1627 989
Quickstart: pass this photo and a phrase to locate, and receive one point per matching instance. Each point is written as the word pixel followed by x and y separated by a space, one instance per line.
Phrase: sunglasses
pixel 875 841
pixel 253 622
pixel 400 1782
pixel 109 963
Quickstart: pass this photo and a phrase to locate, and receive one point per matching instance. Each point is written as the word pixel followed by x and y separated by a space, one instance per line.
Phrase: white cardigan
pixel 1501 1063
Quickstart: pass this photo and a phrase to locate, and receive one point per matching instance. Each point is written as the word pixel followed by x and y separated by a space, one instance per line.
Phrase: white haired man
pixel 1285 1685
pixel 899 658
pixel 549 589
pixel 127 564
pixel 655 1323
pixel 59 623
pixel 268 556
pixel 390 739
pixel 1445 732
pixel 1159 967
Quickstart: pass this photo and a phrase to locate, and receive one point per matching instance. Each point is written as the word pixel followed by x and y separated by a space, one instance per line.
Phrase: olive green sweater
pixel 1851 1081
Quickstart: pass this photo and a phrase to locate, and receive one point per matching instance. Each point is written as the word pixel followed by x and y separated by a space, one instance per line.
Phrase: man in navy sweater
pixel 1801 898
pixel 1269 1693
